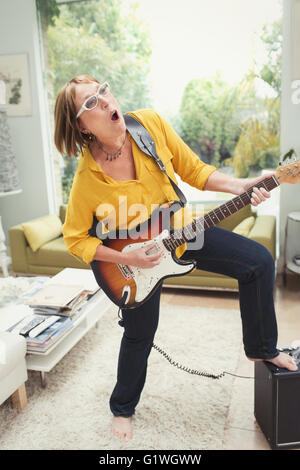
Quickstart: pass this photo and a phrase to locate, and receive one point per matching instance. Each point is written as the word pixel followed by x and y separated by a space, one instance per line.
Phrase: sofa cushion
pixel 244 227
pixel 54 253
pixel 42 230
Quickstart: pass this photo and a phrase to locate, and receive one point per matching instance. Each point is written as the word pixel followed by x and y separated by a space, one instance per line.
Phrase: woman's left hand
pixel 258 195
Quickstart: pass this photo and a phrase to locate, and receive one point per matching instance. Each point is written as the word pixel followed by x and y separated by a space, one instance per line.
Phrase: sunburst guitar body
pixel 130 286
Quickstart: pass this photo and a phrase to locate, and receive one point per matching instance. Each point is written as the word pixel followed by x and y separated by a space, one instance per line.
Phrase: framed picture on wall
pixel 14 72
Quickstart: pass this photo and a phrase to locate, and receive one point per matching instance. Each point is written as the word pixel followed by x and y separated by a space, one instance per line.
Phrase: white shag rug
pixel 177 410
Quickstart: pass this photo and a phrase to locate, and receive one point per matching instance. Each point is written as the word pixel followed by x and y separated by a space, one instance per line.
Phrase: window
pixel 212 69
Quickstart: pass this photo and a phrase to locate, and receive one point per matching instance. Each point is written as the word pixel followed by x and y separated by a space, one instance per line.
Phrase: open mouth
pixel 115 116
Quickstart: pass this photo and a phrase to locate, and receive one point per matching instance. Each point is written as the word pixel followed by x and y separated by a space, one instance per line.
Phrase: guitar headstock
pixel 288 173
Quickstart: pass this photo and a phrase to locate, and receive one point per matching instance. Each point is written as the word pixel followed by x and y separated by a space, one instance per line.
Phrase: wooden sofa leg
pixel 19 398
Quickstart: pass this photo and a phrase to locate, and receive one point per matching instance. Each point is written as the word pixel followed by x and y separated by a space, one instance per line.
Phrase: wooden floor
pixel 242 432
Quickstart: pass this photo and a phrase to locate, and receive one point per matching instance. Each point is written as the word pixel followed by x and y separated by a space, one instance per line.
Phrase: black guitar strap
pixel 146 144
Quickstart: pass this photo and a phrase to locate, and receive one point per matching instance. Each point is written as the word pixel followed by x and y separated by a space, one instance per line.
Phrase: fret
pixel 219 214
pixel 213 217
pixel 167 243
pixel 171 245
pixel 202 223
pixel 207 223
pixel 175 242
pixel 177 237
pixel 224 210
pixel 235 207
pixel 189 232
pixel 194 225
pixel 207 216
pixel 245 198
pixel 199 225
pixel 228 205
pixel 231 204
pixel 238 202
pixel 275 181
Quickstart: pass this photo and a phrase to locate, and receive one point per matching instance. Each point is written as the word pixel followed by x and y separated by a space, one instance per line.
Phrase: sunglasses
pixel 92 101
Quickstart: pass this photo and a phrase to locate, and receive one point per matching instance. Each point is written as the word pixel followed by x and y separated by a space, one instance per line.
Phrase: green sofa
pixel 53 256
pixel 50 258
pixel 262 231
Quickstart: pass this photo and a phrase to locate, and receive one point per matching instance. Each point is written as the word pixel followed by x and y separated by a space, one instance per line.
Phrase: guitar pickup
pixel 153 250
pixel 126 271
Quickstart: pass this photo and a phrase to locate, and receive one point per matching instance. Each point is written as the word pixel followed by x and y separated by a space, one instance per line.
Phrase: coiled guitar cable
pixel 184 368
pixel 195 371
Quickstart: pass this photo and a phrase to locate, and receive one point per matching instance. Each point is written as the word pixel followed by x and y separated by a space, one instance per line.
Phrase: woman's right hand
pixel 140 259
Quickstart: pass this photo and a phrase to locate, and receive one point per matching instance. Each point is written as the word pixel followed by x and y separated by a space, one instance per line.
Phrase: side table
pixel 291 244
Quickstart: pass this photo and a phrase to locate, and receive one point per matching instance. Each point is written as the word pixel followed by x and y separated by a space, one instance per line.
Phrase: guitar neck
pixel 190 231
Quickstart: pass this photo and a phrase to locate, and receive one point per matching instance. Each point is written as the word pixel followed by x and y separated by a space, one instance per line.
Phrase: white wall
pixel 30 136
pixel 290 112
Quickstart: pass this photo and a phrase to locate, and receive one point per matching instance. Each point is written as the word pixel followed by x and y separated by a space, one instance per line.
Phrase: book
pixel 46 334
pixel 54 295
pixel 47 338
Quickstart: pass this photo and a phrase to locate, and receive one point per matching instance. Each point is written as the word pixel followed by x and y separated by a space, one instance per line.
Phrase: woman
pixel 114 174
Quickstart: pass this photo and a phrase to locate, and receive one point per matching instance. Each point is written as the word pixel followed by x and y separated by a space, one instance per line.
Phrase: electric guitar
pixel 130 286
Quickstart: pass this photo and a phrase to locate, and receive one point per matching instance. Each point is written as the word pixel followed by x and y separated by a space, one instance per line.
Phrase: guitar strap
pixel 146 144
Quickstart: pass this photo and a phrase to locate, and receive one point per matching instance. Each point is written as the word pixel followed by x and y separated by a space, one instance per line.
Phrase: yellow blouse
pixel 128 203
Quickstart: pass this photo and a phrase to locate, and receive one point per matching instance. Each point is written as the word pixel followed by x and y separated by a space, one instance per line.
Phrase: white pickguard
pixel 146 279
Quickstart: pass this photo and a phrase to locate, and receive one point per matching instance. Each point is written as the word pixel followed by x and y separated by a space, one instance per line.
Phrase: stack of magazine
pixel 63 303
pixel 58 299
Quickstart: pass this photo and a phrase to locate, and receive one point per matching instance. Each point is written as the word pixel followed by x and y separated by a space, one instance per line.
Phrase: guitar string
pixel 167 356
pixel 178 237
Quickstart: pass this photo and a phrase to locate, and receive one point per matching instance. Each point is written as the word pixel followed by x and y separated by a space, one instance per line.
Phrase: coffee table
pixel 90 315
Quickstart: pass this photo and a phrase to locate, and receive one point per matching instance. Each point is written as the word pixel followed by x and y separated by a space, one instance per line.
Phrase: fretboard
pixel 190 231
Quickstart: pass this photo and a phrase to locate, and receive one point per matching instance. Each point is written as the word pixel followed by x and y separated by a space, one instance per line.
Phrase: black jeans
pixel 223 252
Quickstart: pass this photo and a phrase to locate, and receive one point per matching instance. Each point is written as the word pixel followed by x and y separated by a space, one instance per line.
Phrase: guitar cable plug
pixel 123 300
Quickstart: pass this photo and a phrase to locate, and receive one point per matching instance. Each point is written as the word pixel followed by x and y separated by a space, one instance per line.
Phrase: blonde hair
pixel 67 135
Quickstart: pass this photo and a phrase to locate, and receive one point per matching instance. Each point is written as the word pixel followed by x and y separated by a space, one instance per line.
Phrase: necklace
pixel 111 156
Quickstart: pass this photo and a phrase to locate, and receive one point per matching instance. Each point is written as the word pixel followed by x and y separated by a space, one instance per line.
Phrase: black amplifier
pixel 277 401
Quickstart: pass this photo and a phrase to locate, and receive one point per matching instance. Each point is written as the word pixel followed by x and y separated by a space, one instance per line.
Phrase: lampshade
pixel 9 180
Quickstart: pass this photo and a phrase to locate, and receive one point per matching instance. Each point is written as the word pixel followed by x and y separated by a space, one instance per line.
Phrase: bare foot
pixel 121 428
pixel 282 360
